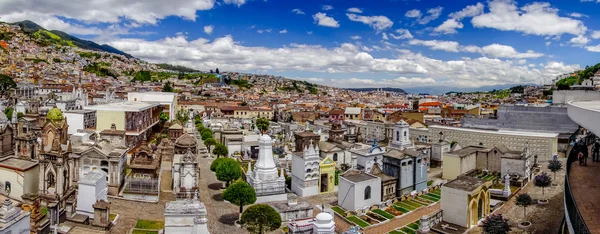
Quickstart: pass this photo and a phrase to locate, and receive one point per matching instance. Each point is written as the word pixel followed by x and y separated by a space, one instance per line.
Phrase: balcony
pixel 582 203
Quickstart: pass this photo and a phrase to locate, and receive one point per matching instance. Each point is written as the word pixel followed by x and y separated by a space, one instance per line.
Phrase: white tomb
pixel 186 217
pixel 185 171
pixel 92 188
pixel 267 182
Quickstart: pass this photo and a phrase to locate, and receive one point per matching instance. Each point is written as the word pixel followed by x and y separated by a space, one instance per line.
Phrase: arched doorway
pixel 480 209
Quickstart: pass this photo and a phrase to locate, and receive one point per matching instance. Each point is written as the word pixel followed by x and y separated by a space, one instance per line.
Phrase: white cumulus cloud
pixel 327 7
pixel 451 24
pixel 355 37
pixel 323 20
pixel 536 18
pixel 378 23
pixel 283 31
pixel 298 11
pixel 355 10
pixel 208 29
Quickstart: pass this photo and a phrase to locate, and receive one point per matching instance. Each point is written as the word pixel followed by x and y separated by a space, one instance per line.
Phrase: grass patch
pixel 358 221
pixel 406 206
pixel 414 226
pixel 136 231
pixel 150 224
pixel 383 213
pixel 285 229
pixel 45 211
pixel 408 230
pixel 412 203
pixel 433 199
pixel 401 209
pixel 437 191
pixel 396 232
pixel 339 211
pixel 429 183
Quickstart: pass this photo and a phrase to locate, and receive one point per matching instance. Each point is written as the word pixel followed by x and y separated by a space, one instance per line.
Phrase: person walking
pixel 580 158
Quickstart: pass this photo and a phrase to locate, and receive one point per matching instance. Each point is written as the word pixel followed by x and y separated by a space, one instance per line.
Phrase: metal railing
pixel 573 216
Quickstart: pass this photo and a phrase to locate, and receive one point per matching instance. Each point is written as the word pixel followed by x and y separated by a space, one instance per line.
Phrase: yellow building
pixel 465 201
pixel 459 161
pixel 326 176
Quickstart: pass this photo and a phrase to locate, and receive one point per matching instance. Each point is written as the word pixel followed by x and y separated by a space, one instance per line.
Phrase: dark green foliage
pixel 542 180
pixel 228 170
pixel 57 60
pixel 20 115
pixel 177 68
pixel 6 84
pixel 167 87
pixel 89 55
pixel 209 142
pixel 206 130
pixel 495 224
pixel 220 150
pixel 216 163
pixel 262 124
pixel 36 60
pixel 524 200
pixel 164 117
pixel 182 115
pixel 142 76
pixel 217 71
pixel 555 166
pixel 99 70
pixel 240 194
pixel 261 219
pixel 244 103
pixel 517 89
pixel 9 112
pixel 242 84
pixel 206 135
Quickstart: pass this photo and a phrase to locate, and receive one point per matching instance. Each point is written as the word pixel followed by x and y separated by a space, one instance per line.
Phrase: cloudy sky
pixel 344 43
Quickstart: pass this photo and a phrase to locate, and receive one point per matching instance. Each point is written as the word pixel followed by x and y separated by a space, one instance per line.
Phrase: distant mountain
pixel 397 90
pixel 447 89
pixel 56 37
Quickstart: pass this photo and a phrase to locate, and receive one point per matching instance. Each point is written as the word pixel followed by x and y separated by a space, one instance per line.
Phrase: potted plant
pixel 495 224
pixel 524 200
pixel 555 166
pixel 542 180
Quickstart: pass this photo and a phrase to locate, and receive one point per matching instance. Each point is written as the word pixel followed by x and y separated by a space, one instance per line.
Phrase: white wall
pixel 21 226
pixel 565 96
pixel 346 194
pixel 75 121
pixel 454 204
pixel 375 193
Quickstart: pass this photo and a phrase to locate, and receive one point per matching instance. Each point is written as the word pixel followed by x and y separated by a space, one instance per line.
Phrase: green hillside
pixel 587 73
pixel 55 37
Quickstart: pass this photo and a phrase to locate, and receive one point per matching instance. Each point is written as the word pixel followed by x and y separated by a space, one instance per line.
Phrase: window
pixel 368 193
pixel 51 181
pixel 335 157
pixel 405 134
pixel 409 162
pixel 397 136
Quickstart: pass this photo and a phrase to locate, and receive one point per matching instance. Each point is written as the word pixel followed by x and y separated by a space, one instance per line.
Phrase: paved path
pixel 221 214
pixel 585 185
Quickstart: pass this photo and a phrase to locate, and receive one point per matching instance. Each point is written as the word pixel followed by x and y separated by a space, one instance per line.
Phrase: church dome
pixel 324 217
pixel 54 114
pixel 186 141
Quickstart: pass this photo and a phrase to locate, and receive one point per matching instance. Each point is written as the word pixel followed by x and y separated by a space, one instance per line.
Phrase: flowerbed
pixel 394 211
pixel 369 219
pixel 358 221
pixel 376 216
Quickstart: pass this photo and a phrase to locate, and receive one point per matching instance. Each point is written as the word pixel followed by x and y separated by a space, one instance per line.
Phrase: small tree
pixel 209 142
pixel 555 166
pixel 215 164
pixel 524 200
pixel 220 150
pixel 217 70
pixel 240 194
pixel 262 124
pixel 206 135
pixel 229 170
pixel 206 130
pixel 261 218
pixel 182 115
pixel 6 84
pixel 167 87
pixel 20 115
pixel 542 180
pixel 495 224
pixel 164 117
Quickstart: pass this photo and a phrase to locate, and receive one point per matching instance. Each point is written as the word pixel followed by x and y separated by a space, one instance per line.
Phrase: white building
pixel 92 188
pixel 186 217
pixel 18 177
pixel 305 171
pixel 79 120
pixel 166 99
pixel 544 145
pixel 357 190
pixel 322 224
pixel 367 156
pixel 12 219
pixel 268 184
